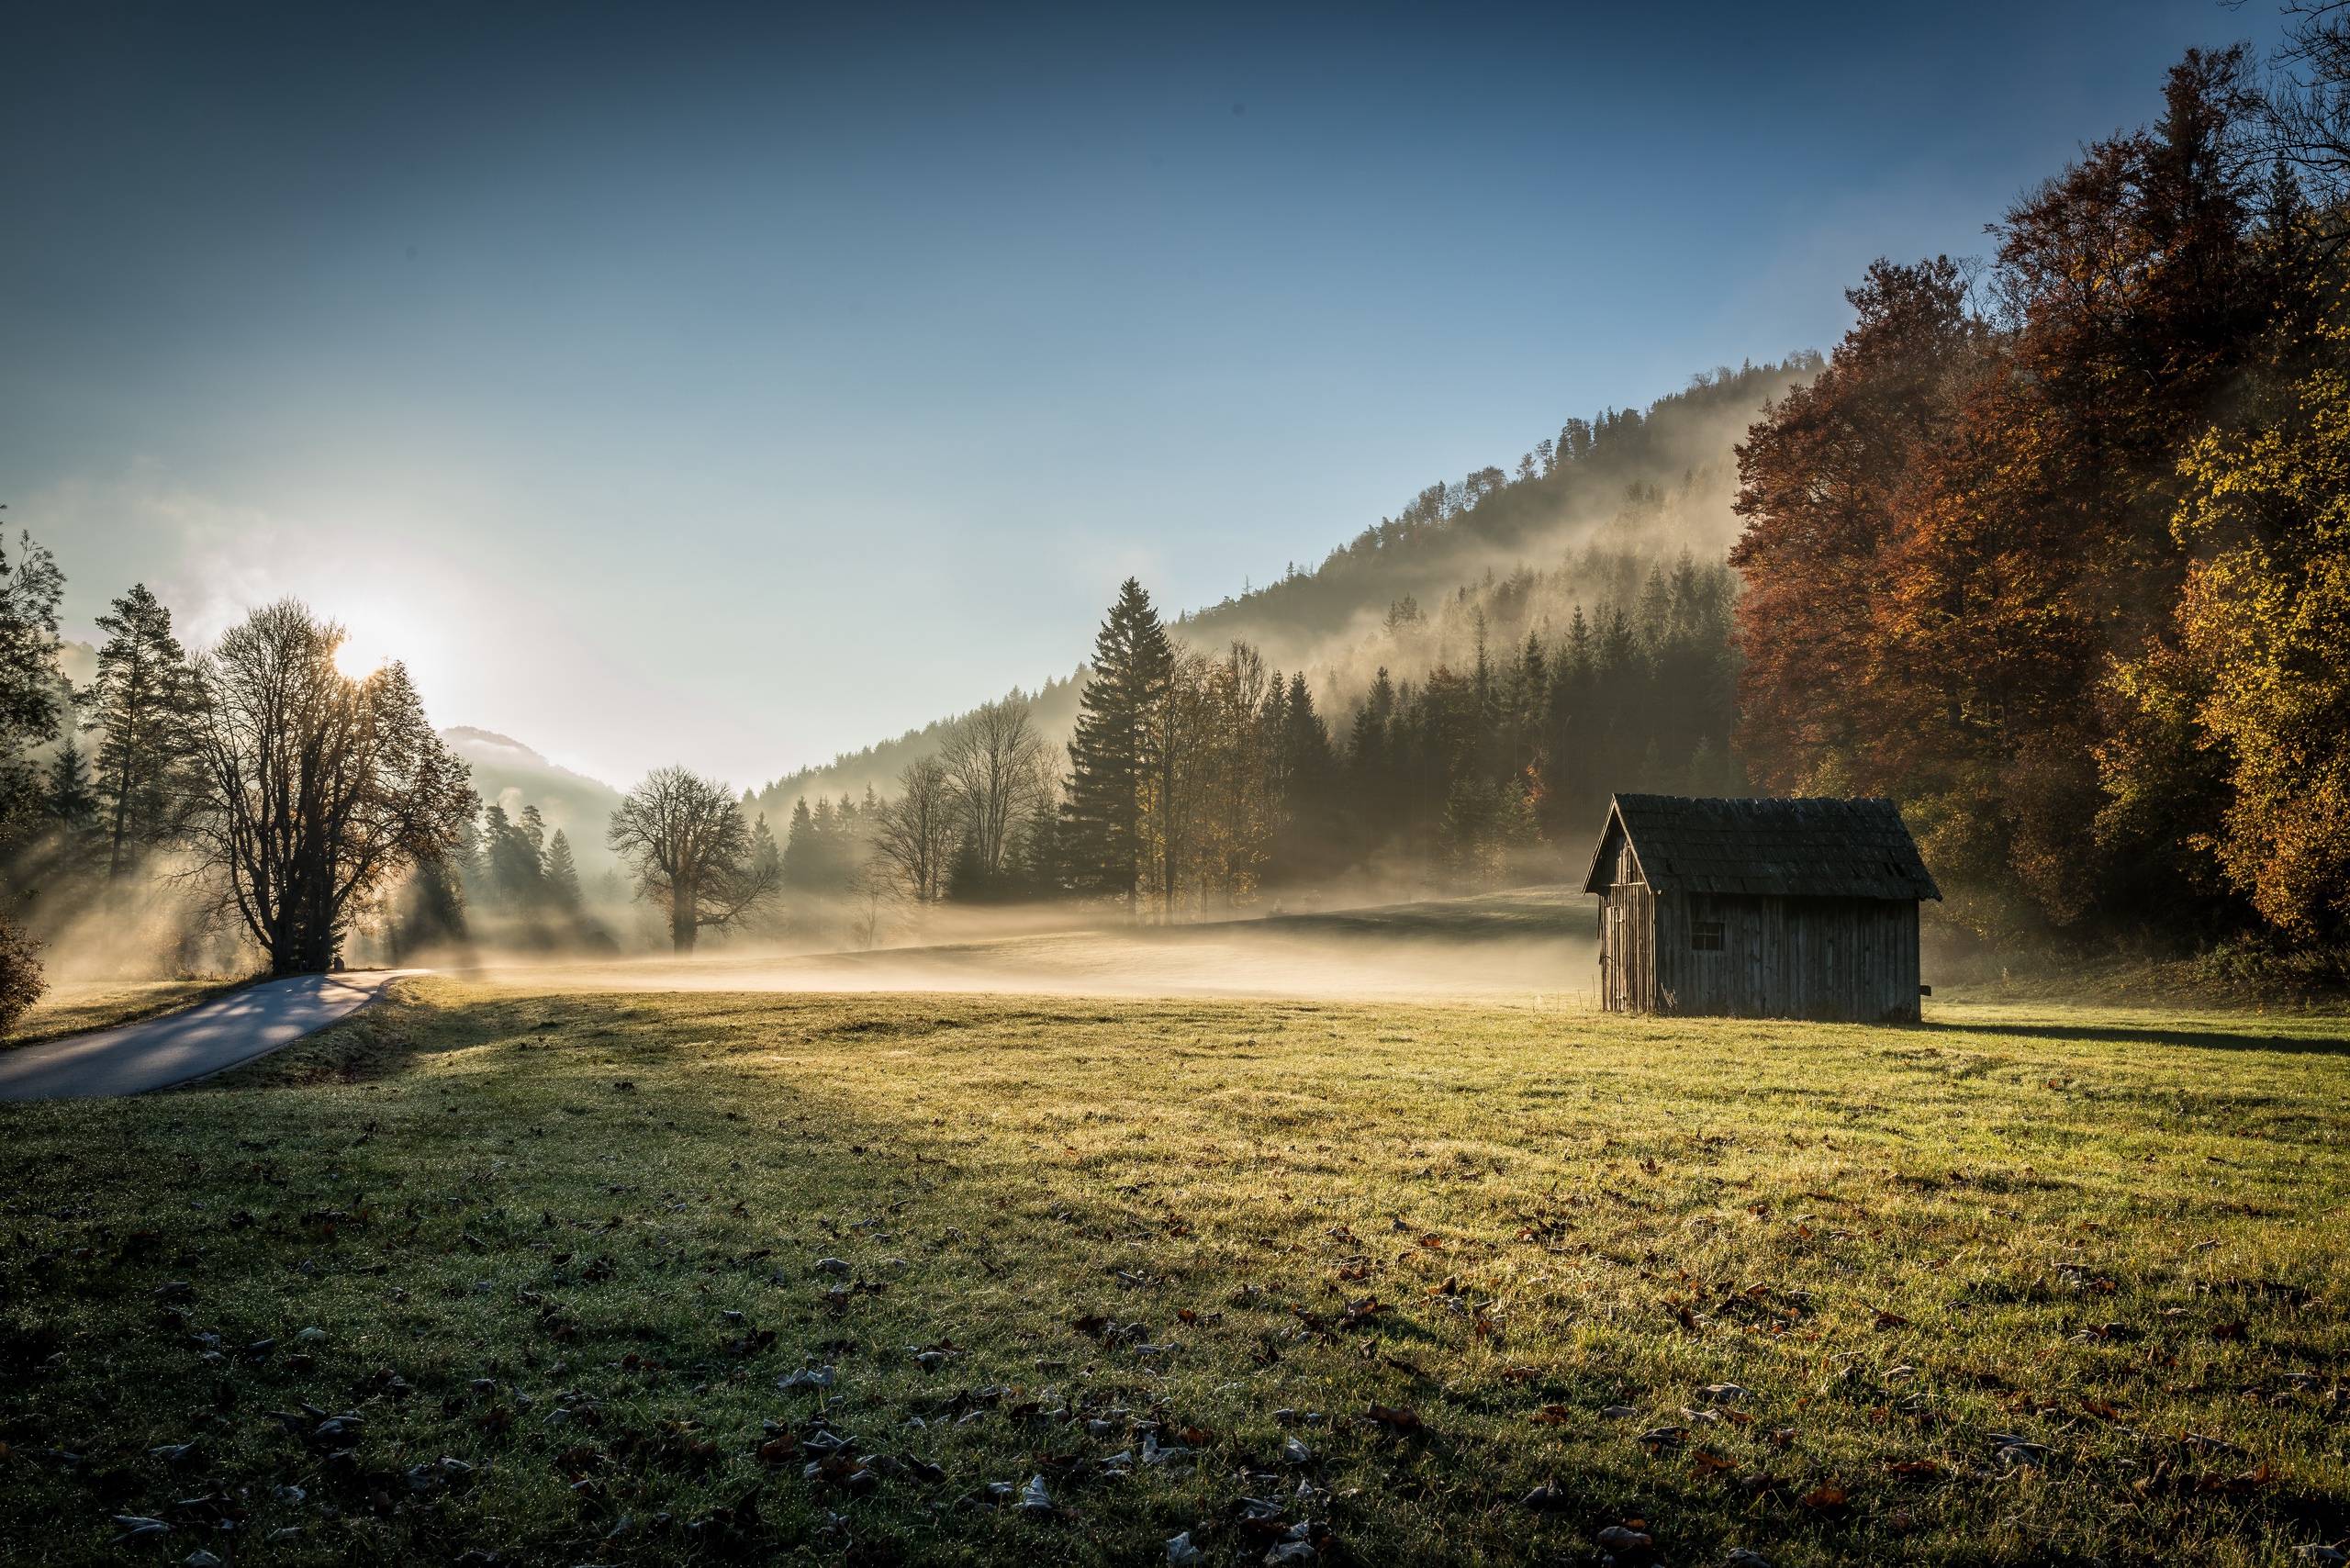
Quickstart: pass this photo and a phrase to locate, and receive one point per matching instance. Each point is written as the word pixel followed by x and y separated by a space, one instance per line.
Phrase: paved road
pixel 181 1046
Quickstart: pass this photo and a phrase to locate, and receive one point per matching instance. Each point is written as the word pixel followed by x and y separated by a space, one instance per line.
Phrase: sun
pixel 356 658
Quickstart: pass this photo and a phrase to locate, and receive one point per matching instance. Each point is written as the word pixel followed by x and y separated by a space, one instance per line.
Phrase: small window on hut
pixel 1704 936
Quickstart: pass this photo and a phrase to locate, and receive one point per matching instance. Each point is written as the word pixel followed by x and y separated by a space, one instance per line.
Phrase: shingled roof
pixel 1816 848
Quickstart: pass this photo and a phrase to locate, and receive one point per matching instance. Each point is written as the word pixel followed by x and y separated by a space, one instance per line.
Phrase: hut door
pixel 1612 954
pixel 1631 933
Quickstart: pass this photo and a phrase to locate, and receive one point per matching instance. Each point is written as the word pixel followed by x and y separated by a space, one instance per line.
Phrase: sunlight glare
pixel 357 660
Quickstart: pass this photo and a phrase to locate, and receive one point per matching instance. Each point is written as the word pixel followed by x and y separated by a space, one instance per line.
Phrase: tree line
pixel 266 791
pixel 1198 783
pixel 2049 549
pixel 2053 551
pixel 252 796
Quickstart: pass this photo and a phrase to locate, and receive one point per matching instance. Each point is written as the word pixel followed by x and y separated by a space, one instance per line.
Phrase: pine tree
pixel 562 874
pixel 514 869
pixel 70 798
pixel 1307 828
pixel 30 713
pixel 767 856
pixel 799 849
pixel 145 696
pixel 72 805
pixel 1131 663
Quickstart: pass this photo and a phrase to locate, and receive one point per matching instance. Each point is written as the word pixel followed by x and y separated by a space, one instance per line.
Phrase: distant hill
pixel 1495 554
pixel 1624 485
pixel 511 774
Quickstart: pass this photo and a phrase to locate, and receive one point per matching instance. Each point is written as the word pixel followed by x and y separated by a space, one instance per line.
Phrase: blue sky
pixel 737 385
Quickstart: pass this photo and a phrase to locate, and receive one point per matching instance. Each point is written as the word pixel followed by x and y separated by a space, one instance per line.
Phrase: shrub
pixel 21 980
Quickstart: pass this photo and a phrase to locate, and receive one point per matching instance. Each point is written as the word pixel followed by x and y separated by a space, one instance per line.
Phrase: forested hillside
pixel 1624 481
pixel 875 769
pixel 1446 701
pixel 2051 551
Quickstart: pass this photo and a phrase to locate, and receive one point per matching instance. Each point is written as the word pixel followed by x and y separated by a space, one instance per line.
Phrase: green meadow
pixel 540 1276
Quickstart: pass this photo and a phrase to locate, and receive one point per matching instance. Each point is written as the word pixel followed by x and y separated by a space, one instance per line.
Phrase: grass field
pixel 490 1271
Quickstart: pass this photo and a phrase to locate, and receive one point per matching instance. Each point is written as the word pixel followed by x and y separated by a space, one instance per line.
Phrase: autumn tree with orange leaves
pixel 2000 556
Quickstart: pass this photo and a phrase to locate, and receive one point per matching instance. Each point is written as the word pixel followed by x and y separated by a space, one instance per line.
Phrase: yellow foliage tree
pixel 2264 625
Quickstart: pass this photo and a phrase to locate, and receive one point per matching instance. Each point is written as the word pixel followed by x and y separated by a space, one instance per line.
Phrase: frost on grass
pixel 577 1278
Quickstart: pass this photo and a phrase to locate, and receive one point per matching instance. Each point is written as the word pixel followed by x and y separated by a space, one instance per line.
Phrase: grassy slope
pixel 71 1007
pixel 1582 1182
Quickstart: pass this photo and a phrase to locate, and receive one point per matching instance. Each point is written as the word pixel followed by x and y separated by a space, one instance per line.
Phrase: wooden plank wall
pixel 1854 959
pixel 1627 941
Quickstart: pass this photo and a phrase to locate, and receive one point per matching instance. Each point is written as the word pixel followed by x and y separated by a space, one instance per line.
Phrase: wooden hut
pixel 1759 909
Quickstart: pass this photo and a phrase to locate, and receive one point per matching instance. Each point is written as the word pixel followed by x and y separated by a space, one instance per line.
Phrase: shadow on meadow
pixel 2192 1039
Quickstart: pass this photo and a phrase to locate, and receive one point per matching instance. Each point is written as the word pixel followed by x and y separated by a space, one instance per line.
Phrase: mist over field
pixel 1091 787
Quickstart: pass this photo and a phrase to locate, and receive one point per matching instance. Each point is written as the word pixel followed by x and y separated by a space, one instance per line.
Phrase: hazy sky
pixel 738 385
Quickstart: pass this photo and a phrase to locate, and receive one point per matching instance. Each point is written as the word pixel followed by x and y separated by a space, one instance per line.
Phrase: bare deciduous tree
pixel 916 834
pixel 314 788
pixel 2309 104
pixel 996 763
pixel 683 838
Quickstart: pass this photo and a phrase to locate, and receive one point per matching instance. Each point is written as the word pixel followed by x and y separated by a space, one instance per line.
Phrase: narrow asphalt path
pixel 181 1046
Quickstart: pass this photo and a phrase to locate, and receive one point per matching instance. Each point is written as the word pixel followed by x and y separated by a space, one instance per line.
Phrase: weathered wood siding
pixel 1853 959
pixel 1628 939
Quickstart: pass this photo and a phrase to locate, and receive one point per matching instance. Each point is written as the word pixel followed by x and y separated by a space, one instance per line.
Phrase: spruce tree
pixel 145 696
pixel 562 874
pixel 70 798
pixel 767 856
pixel 1303 842
pixel 514 869
pixel 30 713
pixel 799 849
pixel 1132 662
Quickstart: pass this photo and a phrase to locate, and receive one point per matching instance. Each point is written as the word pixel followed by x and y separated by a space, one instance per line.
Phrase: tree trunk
pixel 121 823
pixel 685 917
